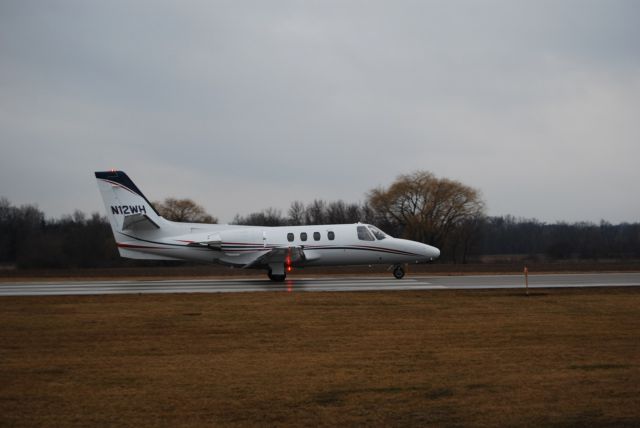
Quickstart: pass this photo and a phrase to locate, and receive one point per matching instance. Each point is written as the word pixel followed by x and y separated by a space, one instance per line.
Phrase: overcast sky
pixel 244 105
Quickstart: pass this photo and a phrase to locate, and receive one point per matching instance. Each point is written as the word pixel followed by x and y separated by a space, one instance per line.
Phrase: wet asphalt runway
pixel 377 283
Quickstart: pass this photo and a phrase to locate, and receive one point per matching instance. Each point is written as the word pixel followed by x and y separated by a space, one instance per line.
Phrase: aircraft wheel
pixel 398 272
pixel 276 278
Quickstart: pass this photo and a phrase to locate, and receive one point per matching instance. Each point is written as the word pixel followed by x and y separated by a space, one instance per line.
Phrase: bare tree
pixel 267 217
pixel 426 208
pixel 296 213
pixel 336 212
pixel 316 212
pixel 183 210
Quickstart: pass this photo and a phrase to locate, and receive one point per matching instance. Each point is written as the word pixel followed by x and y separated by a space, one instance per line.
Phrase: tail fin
pixel 127 208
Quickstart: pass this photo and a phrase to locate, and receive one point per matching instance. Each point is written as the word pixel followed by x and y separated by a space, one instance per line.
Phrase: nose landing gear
pixel 398 272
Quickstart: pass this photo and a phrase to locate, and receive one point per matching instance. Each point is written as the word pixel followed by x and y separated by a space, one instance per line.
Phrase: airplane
pixel 141 232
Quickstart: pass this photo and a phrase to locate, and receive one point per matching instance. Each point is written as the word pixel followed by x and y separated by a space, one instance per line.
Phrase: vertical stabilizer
pixel 125 205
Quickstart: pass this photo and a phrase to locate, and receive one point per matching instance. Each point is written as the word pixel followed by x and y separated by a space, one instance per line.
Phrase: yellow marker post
pixel 526 279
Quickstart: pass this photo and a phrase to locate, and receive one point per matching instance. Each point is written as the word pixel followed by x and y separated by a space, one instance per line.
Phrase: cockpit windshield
pixel 380 235
pixel 364 235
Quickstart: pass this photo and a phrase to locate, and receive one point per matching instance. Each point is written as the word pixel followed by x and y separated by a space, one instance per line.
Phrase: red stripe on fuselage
pixel 141 247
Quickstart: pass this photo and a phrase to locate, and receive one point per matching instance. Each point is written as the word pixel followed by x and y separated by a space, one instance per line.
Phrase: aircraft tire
pixel 398 272
pixel 276 278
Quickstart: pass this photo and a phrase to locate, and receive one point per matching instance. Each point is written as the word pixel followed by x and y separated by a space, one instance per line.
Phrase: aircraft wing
pixel 213 244
pixel 208 240
pixel 286 255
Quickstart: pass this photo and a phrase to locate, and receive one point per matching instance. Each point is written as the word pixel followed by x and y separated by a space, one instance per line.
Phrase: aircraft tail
pixel 130 213
pixel 126 206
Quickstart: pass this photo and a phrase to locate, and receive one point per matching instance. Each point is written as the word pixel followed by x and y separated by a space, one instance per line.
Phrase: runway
pixel 377 283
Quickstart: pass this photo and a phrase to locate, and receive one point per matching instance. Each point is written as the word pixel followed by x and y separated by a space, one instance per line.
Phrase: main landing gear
pixel 277 277
pixel 398 272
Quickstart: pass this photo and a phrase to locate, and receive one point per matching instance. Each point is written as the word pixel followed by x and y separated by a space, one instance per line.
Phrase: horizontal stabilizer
pixel 138 222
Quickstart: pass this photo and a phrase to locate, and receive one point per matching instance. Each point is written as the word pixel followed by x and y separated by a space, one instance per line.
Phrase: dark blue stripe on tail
pixel 123 179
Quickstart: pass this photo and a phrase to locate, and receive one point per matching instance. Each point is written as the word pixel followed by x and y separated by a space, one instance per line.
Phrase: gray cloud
pixel 244 105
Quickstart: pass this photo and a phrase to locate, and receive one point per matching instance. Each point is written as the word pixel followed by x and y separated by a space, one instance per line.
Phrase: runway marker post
pixel 526 279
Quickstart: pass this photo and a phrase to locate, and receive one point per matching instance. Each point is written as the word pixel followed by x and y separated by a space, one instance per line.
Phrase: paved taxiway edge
pixel 472 282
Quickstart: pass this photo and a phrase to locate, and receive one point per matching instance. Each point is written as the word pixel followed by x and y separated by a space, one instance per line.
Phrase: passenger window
pixel 364 234
pixel 303 236
pixel 331 235
pixel 290 237
pixel 316 236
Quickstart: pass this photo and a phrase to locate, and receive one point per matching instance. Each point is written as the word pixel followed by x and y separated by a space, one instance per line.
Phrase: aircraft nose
pixel 432 252
pixel 424 252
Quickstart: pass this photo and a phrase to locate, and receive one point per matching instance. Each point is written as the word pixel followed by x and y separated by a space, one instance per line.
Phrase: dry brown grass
pixel 556 358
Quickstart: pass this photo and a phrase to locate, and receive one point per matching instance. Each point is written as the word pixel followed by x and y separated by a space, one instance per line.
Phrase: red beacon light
pixel 288 263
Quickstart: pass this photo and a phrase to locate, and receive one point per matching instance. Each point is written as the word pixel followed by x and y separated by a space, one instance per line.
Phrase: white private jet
pixel 141 233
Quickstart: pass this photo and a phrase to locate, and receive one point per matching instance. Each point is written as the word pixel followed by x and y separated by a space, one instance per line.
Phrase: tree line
pixel 29 240
pixel 558 241
pixel 419 206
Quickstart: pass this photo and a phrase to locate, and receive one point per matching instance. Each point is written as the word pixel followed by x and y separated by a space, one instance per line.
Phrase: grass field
pixel 467 358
